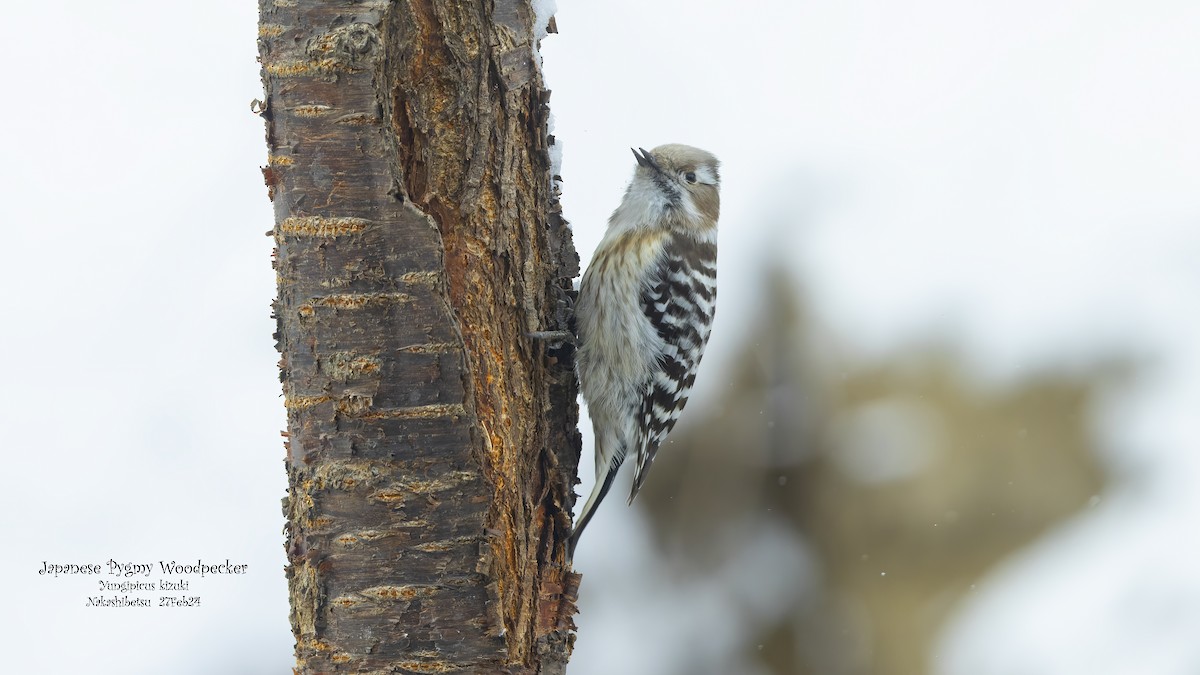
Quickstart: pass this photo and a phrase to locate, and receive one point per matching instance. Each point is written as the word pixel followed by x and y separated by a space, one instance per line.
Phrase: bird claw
pixel 553 338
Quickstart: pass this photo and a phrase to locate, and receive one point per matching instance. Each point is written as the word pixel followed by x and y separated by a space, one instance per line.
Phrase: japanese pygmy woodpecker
pixel 645 310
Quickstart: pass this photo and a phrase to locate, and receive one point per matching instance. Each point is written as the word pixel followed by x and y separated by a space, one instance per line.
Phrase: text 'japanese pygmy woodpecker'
pixel 645 310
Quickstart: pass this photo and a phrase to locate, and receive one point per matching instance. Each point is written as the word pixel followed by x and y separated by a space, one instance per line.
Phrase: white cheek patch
pixel 689 206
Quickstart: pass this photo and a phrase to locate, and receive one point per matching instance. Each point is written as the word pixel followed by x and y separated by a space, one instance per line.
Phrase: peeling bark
pixel 431 446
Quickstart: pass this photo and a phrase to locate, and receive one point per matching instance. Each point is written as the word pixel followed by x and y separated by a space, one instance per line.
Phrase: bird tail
pixel 603 483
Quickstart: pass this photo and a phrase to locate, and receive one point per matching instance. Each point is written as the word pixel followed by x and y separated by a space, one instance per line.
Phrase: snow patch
pixel 543 11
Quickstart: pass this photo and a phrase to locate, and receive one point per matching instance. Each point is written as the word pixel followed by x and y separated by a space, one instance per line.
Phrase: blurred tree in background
pixel 865 499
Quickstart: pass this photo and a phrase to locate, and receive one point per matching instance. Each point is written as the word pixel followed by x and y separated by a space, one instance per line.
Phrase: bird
pixel 645 311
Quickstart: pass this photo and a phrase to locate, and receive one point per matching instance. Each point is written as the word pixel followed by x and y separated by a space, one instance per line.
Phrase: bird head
pixel 673 186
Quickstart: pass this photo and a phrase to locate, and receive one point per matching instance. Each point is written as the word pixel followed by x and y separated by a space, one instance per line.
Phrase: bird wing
pixel 679 300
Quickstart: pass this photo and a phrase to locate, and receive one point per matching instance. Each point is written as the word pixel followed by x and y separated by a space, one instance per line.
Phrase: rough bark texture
pixel 431 445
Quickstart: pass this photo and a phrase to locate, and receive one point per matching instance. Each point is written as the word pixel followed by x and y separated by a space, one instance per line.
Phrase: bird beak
pixel 646 159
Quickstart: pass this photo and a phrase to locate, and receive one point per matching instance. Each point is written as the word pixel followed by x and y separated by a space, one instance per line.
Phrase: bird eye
pixel 690 176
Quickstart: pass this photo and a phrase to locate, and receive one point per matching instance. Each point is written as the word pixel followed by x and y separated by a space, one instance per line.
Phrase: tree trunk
pixel 431 446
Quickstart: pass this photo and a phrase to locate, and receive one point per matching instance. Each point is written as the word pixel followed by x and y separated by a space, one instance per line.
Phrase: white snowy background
pixel 1023 177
